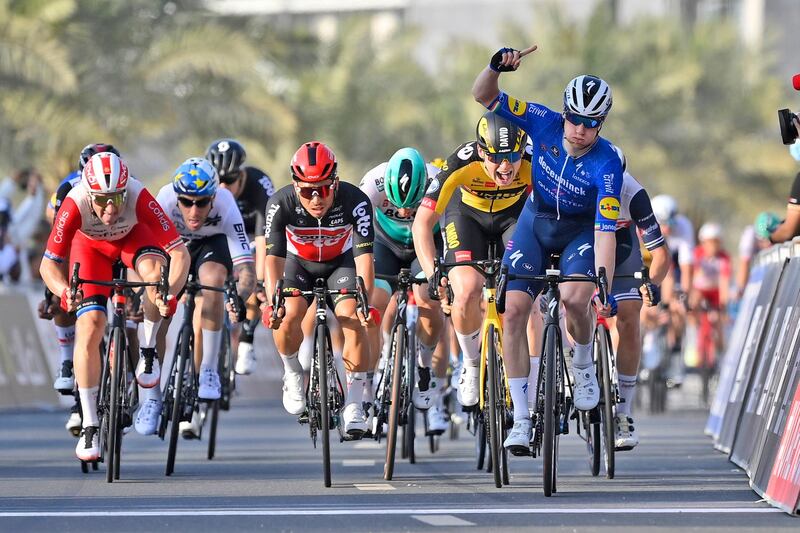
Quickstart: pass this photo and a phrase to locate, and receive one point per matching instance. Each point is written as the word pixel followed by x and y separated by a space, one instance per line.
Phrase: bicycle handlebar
pixel 281 294
pixel 162 285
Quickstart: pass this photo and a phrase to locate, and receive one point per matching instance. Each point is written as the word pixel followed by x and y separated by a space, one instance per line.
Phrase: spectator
pixel 755 238
pixel 24 218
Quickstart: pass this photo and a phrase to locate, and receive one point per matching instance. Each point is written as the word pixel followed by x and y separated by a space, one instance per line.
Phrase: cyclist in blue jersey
pixel 577 178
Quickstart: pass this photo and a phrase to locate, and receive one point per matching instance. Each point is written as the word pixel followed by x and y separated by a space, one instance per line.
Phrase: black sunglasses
pixel 200 202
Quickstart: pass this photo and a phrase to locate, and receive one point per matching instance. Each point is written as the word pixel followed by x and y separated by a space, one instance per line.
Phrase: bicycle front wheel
pixel 495 411
pixel 115 407
pixel 223 368
pixel 184 357
pixel 549 438
pixel 608 400
pixel 324 401
pixel 398 349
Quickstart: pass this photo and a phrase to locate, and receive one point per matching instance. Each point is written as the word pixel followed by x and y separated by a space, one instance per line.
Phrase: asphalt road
pixel 268 477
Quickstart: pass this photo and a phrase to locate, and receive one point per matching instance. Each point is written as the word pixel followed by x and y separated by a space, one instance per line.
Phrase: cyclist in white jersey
pixel 208 219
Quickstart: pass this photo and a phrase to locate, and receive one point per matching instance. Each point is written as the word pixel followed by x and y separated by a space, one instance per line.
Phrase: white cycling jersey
pixel 681 239
pixel 223 218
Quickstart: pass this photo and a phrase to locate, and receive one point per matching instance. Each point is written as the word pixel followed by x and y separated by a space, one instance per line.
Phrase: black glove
pixel 433 287
pixel 238 306
pixel 494 63
pixel 654 292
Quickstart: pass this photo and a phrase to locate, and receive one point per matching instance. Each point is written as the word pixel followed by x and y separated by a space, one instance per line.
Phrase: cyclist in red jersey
pixel 109 217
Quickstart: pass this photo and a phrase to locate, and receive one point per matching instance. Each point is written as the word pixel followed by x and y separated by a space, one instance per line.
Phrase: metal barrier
pixel 755 417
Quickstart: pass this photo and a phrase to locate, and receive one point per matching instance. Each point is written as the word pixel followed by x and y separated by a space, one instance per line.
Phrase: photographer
pixel 790 125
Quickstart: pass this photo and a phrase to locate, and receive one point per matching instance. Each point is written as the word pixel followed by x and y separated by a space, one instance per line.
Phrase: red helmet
pixel 313 162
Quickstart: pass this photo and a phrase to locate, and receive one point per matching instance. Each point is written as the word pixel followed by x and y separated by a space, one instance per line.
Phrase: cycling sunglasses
pixel 511 157
pixel 580 120
pixel 309 192
pixel 102 200
pixel 200 202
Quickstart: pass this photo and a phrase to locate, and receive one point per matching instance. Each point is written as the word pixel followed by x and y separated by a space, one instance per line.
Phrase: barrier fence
pixel 755 416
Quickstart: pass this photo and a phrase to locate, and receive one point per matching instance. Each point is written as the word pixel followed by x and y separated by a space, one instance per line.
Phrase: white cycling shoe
pixel 88 448
pixel 245 359
pixel 294 399
pixel 468 386
pixel 355 421
pixel 438 421
pixel 147 417
pixel 587 390
pixel 148 369
pixel 425 389
pixel 625 437
pixel 65 379
pixel 518 440
pixel 191 430
pixel 209 386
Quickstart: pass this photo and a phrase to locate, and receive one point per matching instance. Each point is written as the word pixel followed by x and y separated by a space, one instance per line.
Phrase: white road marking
pixel 373 486
pixel 358 462
pixel 441 520
pixel 369 511
pixel 367 445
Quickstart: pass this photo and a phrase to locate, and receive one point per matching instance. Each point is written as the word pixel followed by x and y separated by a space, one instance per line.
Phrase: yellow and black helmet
pixel 497 135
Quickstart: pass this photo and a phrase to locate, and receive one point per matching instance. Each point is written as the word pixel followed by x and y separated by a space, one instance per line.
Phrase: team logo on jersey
pixel 555 151
pixel 433 186
pixel 515 106
pixel 609 208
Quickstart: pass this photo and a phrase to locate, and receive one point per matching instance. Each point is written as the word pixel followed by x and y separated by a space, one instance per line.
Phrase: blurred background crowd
pixel 696 87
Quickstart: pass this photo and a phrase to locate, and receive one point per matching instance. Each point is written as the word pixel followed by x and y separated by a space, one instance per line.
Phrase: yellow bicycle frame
pixel 491 318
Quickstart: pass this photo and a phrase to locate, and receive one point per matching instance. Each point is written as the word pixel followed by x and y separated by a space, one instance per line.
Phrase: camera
pixel 788 129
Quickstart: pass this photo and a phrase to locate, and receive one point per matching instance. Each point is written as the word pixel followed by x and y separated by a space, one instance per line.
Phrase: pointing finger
pixel 528 50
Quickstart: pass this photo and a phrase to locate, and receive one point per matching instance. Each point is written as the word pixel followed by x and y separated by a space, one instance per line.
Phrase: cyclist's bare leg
pixel 467 286
pixel 148 268
pixel 380 300
pixel 535 332
pixel 89 329
pixel 516 357
pixel 356 361
pixel 629 351
pixel 576 298
pixel 430 323
pixel 212 315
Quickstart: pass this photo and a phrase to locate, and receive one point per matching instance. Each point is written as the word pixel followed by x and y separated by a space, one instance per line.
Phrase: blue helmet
pixel 195 177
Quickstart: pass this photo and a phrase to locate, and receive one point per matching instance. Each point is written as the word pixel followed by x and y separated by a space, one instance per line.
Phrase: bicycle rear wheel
pixel 223 368
pixel 608 399
pixel 480 439
pixel 399 337
pixel 593 442
pixel 183 350
pixel 549 439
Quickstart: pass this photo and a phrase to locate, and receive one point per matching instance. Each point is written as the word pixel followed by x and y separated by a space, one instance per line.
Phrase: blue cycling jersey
pixel 71 180
pixel 585 188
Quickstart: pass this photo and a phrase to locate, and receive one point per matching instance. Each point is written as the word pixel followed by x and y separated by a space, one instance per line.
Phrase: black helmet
pixel 91 149
pixel 497 135
pixel 227 156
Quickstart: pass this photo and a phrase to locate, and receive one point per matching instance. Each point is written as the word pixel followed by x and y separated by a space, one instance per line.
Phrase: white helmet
pixel 588 96
pixel 709 230
pixel 664 208
pixel 105 173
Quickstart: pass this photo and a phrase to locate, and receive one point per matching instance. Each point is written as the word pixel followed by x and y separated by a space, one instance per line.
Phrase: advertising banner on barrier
pixel 784 483
pixel 741 381
pixel 24 374
pixel 769 362
pixel 733 353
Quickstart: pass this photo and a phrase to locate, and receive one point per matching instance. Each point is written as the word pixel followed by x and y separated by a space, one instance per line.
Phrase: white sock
pixel 291 363
pixel 425 355
pixel 211 344
pixel 470 347
pixel 147 333
pixel 66 341
pixel 386 346
pixel 582 356
pixel 356 385
pixel 533 383
pixel 369 395
pixel 627 392
pixel 153 393
pixel 519 395
pixel 89 405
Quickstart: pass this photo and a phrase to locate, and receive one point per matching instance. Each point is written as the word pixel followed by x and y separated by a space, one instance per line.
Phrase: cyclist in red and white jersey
pixel 711 275
pixel 111 216
pixel 319 227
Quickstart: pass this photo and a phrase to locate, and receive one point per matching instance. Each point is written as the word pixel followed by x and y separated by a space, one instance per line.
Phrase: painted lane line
pixel 367 445
pixel 386 511
pixel 373 486
pixel 358 462
pixel 441 520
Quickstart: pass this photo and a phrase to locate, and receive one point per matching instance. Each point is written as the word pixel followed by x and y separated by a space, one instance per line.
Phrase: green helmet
pixel 406 176
pixel 765 224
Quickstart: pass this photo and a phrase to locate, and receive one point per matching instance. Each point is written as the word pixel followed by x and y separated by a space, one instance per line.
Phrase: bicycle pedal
pixel 353 435
pixel 519 451
pixel 66 392
pixel 303 419
pixel 623 448
pixel 470 408
pixel 434 433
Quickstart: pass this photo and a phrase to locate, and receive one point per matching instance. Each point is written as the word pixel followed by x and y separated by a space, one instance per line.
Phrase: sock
pixel 89 405
pixel 291 363
pixel 425 355
pixel 627 392
pixel 519 395
pixel 306 352
pixel 470 347
pixel 356 386
pixel 386 346
pixel 533 383
pixel 147 333
pixel 247 332
pixel 153 393
pixel 66 341
pixel 368 392
pixel 211 344
pixel 582 357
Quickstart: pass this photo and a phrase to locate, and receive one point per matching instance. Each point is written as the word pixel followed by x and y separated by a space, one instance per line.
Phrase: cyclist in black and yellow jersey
pixel 480 191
